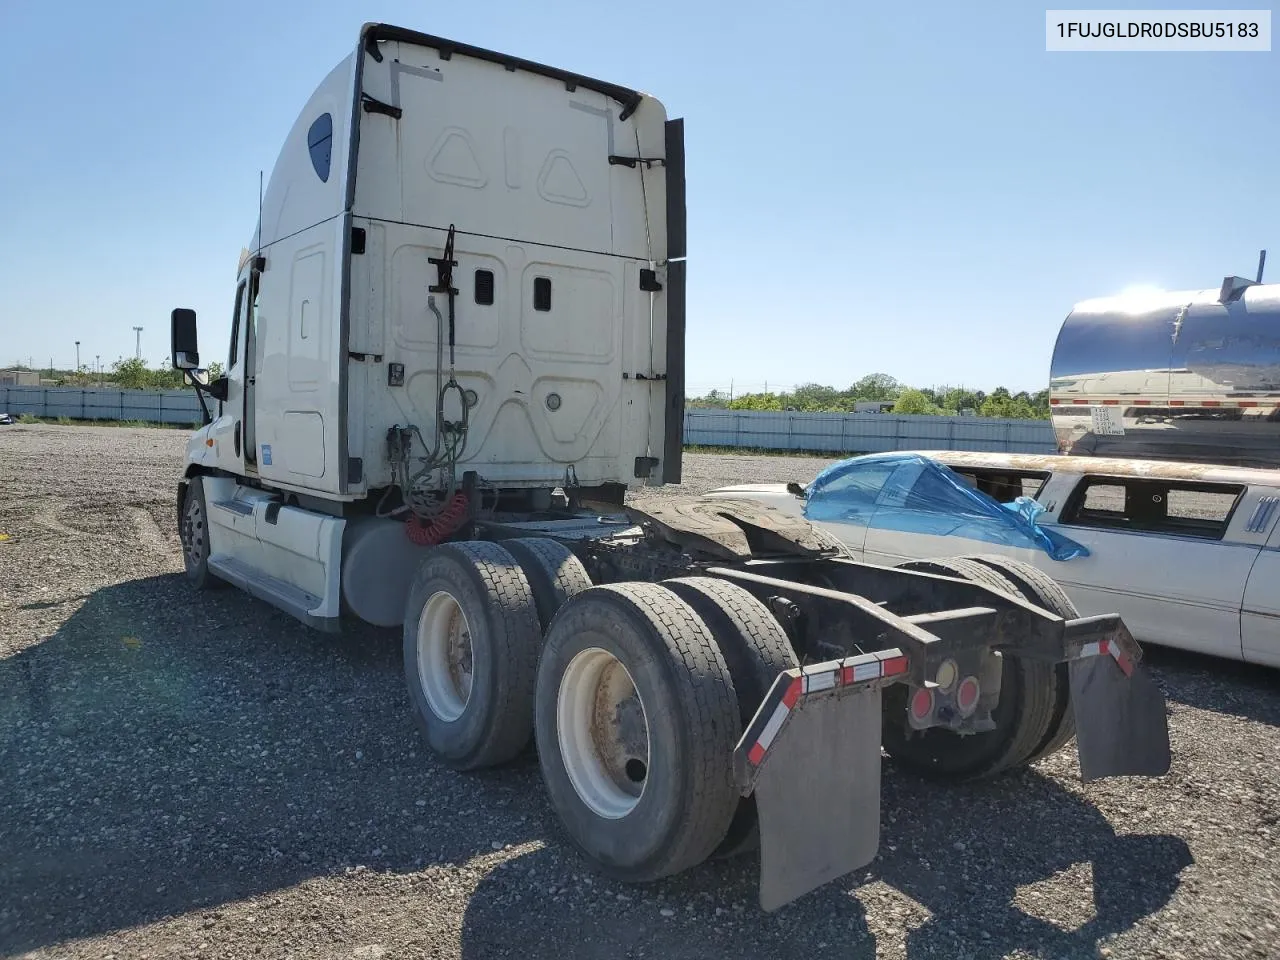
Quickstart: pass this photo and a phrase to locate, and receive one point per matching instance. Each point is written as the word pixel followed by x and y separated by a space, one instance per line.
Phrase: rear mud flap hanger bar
pixel 811 753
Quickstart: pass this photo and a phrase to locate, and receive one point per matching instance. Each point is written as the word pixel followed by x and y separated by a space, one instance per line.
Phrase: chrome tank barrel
pixel 1171 376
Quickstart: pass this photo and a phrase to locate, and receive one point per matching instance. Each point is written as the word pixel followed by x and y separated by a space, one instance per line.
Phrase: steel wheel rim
pixel 603 733
pixel 445 665
pixel 193 533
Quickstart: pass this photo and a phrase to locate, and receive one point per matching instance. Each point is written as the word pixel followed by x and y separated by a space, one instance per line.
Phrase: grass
pixel 765 452
pixel 67 422
pixel 689 448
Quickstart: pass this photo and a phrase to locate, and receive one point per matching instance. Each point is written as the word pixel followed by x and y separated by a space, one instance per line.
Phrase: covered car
pixel 916 496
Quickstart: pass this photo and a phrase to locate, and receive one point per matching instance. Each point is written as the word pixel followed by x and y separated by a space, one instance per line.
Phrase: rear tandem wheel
pixel 1027 716
pixel 636 719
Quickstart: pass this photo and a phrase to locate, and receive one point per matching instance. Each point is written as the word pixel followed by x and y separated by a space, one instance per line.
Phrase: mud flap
pixel 1122 728
pixel 818 795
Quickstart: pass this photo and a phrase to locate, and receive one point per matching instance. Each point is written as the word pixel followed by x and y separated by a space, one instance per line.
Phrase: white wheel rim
pixel 445 666
pixel 603 733
pixel 193 530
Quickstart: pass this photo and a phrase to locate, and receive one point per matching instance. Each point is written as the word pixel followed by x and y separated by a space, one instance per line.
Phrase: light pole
pixel 77 356
pixel 138 349
pixel 97 362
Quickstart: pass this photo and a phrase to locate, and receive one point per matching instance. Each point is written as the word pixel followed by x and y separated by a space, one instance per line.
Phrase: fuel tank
pixel 1188 375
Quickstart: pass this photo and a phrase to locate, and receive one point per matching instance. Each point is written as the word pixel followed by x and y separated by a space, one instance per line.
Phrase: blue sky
pixel 917 189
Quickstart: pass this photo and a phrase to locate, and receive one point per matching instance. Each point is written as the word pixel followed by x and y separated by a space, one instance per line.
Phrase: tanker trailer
pixel 1190 375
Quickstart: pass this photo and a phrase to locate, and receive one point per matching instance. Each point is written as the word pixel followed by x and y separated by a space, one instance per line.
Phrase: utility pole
pixel 77 356
pixel 138 349
pixel 97 359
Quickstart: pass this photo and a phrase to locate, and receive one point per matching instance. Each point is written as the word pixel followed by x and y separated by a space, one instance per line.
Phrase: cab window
pixel 234 353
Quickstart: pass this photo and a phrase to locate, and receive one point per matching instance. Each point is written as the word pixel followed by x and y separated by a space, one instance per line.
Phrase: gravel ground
pixel 196 775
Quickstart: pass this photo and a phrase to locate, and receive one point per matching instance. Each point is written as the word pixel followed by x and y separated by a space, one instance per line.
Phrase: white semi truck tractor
pixel 457 343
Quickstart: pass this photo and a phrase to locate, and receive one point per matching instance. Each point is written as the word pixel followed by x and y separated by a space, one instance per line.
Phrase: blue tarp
pixel 911 493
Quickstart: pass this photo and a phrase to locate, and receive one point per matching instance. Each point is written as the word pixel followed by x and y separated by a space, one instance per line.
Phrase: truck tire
pixel 755 649
pixel 1042 590
pixel 471 642
pixel 636 720
pixel 554 573
pixel 193 531
pixel 1023 715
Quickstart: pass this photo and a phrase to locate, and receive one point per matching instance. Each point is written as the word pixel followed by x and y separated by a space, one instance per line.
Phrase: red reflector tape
pixel 1104 648
pixel 895 666
pixel 793 692
pixel 847 673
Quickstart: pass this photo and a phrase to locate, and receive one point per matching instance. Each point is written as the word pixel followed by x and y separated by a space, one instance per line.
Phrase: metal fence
pixel 152 406
pixel 759 429
pixel 863 432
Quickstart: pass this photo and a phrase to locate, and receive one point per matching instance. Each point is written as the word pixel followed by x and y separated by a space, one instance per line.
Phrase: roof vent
pixel 1233 288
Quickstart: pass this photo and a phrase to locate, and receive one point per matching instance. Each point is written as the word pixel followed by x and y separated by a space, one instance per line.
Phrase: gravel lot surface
pixel 196 775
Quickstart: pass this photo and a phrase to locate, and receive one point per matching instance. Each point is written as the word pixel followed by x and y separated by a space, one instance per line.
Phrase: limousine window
pixel 1181 508
pixel 1003 486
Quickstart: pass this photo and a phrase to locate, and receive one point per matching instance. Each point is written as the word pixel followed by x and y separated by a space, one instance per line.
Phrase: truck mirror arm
pixel 216 389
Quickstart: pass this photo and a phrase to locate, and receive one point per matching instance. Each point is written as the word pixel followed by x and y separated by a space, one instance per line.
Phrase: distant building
pixel 873 406
pixel 19 378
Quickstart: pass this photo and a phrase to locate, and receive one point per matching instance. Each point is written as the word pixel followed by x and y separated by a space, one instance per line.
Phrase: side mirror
pixel 183 340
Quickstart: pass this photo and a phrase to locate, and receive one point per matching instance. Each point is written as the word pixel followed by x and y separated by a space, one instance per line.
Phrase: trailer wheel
pixel 1041 589
pixel 636 720
pixel 1023 715
pixel 471 642
pixel 193 531
pixel 755 649
pixel 554 573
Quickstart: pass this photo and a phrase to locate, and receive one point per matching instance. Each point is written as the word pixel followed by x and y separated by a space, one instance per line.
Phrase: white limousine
pixel 1188 554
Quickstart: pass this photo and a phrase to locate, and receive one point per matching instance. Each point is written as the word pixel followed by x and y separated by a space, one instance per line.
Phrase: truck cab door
pixel 250 373
pixel 228 433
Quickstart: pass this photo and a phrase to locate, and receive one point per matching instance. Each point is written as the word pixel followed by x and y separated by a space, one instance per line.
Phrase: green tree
pixel 876 386
pixel 164 377
pixel 915 402
pixel 1007 406
pixel 814 397
pixel 958 398
pixel 757 401
pixel 131 374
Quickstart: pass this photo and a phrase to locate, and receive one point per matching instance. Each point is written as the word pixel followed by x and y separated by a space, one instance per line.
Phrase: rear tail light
pixel 921 704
